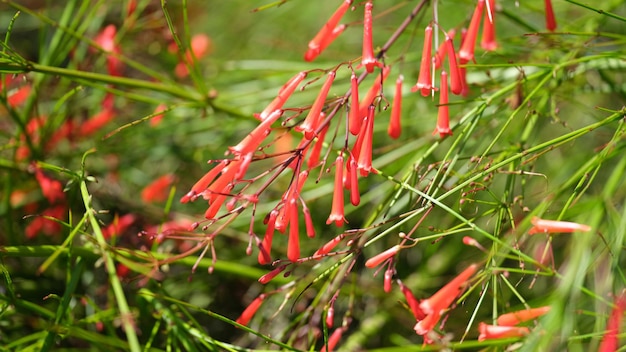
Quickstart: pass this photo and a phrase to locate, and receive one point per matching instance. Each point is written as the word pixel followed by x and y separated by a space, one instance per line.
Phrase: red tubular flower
pixel 333 340
pixel 308 222
pixel 424 81
pixel 106 40
pixel 368 60
pixel 265 247
pixel 355 196
pixel 19 96
pixel 610 340
pixel 254 139
pixel 314 158
pixel 381 257
pixel 96 122
pixel 551 226
pixel 447 294
pixel 283 94
pixel 216 201
pixel 329 246
pixel 312 120
pixel 364 163
pixel 550 19
pixel 293 245
pixel 514 318
pixel 326 34
pixel 337 212
pixel 373 93
pixel 413 303
pixel 488 40
pixel 272 274
pixel 395 126
pixel 45 223
pixel 466 54
pixel 354 116
pixel 441 300
pixel 490 332
pixel 158 190
pixel 456 82
pixel 119 225
pixel 52 189
pixel 443 117
pixel 330 316
pixel 387 280
pixel 204 182
pixel 442 51
pixel 250 310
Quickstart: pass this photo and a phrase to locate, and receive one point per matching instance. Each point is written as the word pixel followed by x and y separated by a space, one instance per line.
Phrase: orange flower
pixel 424 81
pixel 441 300
pixel 395 126
pixel 283 94
pixel 327 33
pixel 337 212
pixel 252 308
pixel 381 257
pixel 552 226
pixel 333 340
pixel 610 340
pixel 488 41
pixel 514 318
pixel 466 54
pixel 443 117
pixel 158 190
pixel 368 60
pixel 312 120
pixel 489 332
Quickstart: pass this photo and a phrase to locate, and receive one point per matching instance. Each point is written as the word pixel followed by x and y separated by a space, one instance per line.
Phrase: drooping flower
pixel 364 160
pixel 488 40
pixel 355 196
pixel 387 280
pixel 250 310
pixel 466 54
pixel 424 80
pixel 490 332
pixel 442 51
pixel 368 60
pixel 337 211
pixel 395 126
pixel 265 247
pixel 293 244
pixel 550 18
pixel 354 116
pixel 552 226
pixel 456 81
pixel 413 303
pixel 610 340
pixel 329 31
pixel 443 117
pixel 106 40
